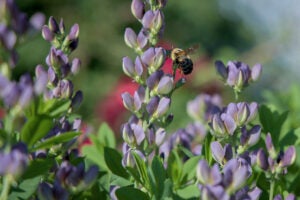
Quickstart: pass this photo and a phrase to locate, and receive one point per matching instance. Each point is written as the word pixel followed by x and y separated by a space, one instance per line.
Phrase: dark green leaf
pixel 113 161
pixel 130 193
pixel 157 175
pixel 106 136
pixel 174 167
pixel 58 139
pixel 35 129
pixel 272 122
pixel 38 167
pixel 25 189
pixel 189 168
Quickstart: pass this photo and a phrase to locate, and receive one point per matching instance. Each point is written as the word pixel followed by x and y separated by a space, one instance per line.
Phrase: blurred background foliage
pixel 225 30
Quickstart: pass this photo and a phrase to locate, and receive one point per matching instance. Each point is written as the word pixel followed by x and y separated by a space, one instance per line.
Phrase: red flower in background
pixel 111 109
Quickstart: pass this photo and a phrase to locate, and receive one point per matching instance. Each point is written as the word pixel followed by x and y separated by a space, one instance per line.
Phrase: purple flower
pixel 206 175
pixel 14 162
pixel 138 8
pixel 220 154
pixel 154 58
pixel 251 137
pixel 203 107
pixel 238 74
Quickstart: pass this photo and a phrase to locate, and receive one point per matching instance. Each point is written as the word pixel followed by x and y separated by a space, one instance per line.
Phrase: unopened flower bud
pixel 74 32
pixel 289 157
pixel 53 26
pixel 47 33
pixel 130 38
pixel 165 85
pixel 262 160
pixel 138 8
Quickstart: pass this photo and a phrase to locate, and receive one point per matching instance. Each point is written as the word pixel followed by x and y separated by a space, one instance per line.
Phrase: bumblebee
pixel 182 60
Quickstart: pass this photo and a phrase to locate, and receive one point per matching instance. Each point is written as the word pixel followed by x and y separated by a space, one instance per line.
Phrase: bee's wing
pixel 192 49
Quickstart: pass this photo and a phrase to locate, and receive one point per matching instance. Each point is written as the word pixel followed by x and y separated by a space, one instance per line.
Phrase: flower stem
pixel 6 187
pixel 272 186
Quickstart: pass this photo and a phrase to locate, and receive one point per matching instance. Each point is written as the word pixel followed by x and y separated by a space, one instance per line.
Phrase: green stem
pixel 7 180
pixel 272 187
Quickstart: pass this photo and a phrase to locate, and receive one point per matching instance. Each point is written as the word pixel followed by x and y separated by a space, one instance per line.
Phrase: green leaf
pixel 189 168
pixel 120 181
pixel 168 186
pixel 130 193
pixel 272 122
pixel 25 189
pixel 135 174
pixel 106 136
pixel 58 139
pixel 54 107
pixel 35 129
pixel 189 192
pixel 157 175
pixel 207 151
pixel 95 155
pixel 174 167
pixel 38 167
pixel 113 161
pixel 141 166
pixel 291 138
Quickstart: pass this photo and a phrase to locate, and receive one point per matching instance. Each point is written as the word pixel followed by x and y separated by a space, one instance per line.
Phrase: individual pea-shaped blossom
pixel 158 107
pixel 238 74
pixel 221 154
pixel 128 159
pixel 134 103
pixel 204 106
pixel 48 191
pixel 160 84
pixel 275 164
pixel 153 23
pixel 15 161
pixel 136 42
pixel 133 134
pixel 138 9
pixel 242 112
pixel 133 70
pixel 249 137
pixel 75 177
pixel 154 58
pixel 222 125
